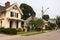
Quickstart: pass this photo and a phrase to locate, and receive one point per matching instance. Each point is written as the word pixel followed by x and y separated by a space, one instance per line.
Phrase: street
pixel 54 35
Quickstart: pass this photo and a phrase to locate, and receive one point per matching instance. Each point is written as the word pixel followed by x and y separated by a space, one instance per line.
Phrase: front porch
pixel 13 23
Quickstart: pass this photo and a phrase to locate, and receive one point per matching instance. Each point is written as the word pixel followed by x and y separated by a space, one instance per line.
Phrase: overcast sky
pixel 53 5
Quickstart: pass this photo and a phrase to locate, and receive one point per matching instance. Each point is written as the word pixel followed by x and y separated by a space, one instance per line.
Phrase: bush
pixel 2 30
pixel 37 28
pixel 28 28
pixel 50 26
pixel 10 31
pixel 19 30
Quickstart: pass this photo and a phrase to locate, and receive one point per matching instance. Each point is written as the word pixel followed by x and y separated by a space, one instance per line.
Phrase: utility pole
pixel 42 17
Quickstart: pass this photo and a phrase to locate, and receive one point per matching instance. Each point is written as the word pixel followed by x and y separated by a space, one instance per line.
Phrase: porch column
pixel 19 24
pixel 0 23
pixel 14 24
pixel 6 23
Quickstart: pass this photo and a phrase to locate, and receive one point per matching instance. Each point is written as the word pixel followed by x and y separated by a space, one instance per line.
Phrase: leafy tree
pixel 27 11
pixel 39 22
pixel 46 17
pixel 58 21
pixel 32 23
pixel 36 24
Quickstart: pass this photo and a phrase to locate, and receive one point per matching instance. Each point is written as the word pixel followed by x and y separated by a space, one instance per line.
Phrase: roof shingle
pixel 2 8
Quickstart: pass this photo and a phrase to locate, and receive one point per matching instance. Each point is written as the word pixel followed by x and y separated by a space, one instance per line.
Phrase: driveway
pixel 54 35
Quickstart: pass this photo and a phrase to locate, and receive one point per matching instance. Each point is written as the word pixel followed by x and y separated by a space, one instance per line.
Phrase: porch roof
pixel 16 19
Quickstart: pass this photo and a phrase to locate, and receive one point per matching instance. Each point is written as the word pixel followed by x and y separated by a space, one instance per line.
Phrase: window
pixel 12 14
pixel 16 15
pixel 1 23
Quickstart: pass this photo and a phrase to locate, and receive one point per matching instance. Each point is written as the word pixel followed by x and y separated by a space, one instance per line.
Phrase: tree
pixel 27 11
pixel 36 24
pixel 39 22
pixel 58 21
pixel 46 17
pixel 32 23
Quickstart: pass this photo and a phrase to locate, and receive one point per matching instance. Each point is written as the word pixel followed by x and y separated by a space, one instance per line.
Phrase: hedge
pixel 10 31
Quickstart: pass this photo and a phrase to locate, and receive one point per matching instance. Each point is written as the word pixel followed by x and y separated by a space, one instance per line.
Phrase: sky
pixel 53 5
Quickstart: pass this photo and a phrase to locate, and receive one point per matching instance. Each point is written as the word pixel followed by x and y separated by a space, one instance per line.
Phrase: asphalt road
pixel 54 35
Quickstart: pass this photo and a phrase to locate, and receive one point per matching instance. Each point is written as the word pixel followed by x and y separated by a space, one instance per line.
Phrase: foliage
pixel 39 22
pixel 50 26
pixel 10 31
pixel 37 28
pixel 27 11
pixel 58 21
pixel 2 30
pixel 31 22
pixel 19 30
pixel 46 17
pixel 28 28
pixel 36 24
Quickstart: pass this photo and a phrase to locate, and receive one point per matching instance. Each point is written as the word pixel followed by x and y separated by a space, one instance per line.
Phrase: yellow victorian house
pixel 10 16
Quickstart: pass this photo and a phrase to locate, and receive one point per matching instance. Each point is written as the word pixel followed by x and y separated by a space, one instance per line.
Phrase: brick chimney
pixel 7 4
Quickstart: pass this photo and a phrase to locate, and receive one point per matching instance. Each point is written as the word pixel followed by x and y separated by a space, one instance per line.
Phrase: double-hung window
pixel 16 15
pixel 12 14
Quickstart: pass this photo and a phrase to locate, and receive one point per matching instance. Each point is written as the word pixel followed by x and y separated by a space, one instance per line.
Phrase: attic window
pixel 14 7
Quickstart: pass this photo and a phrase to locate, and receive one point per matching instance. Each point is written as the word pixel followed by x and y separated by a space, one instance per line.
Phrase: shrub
pixel 19 30
pixel 50 26
pixel 37 28
pixel 2 30
pixel 28 28
pixel 11 31
pixel 58 21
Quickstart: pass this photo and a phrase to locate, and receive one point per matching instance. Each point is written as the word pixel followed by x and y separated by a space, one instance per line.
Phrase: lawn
pixel 32 33
pixel 28 33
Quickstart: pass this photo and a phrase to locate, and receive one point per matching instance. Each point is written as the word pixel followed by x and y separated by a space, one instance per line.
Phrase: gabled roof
pixel 2 8
pixel 13 6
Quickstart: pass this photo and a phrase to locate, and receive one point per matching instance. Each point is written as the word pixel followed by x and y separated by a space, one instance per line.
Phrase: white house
pixel 10 16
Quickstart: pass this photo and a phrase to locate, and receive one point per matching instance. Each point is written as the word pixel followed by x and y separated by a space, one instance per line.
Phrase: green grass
pixel 32 33
pixel 29 33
